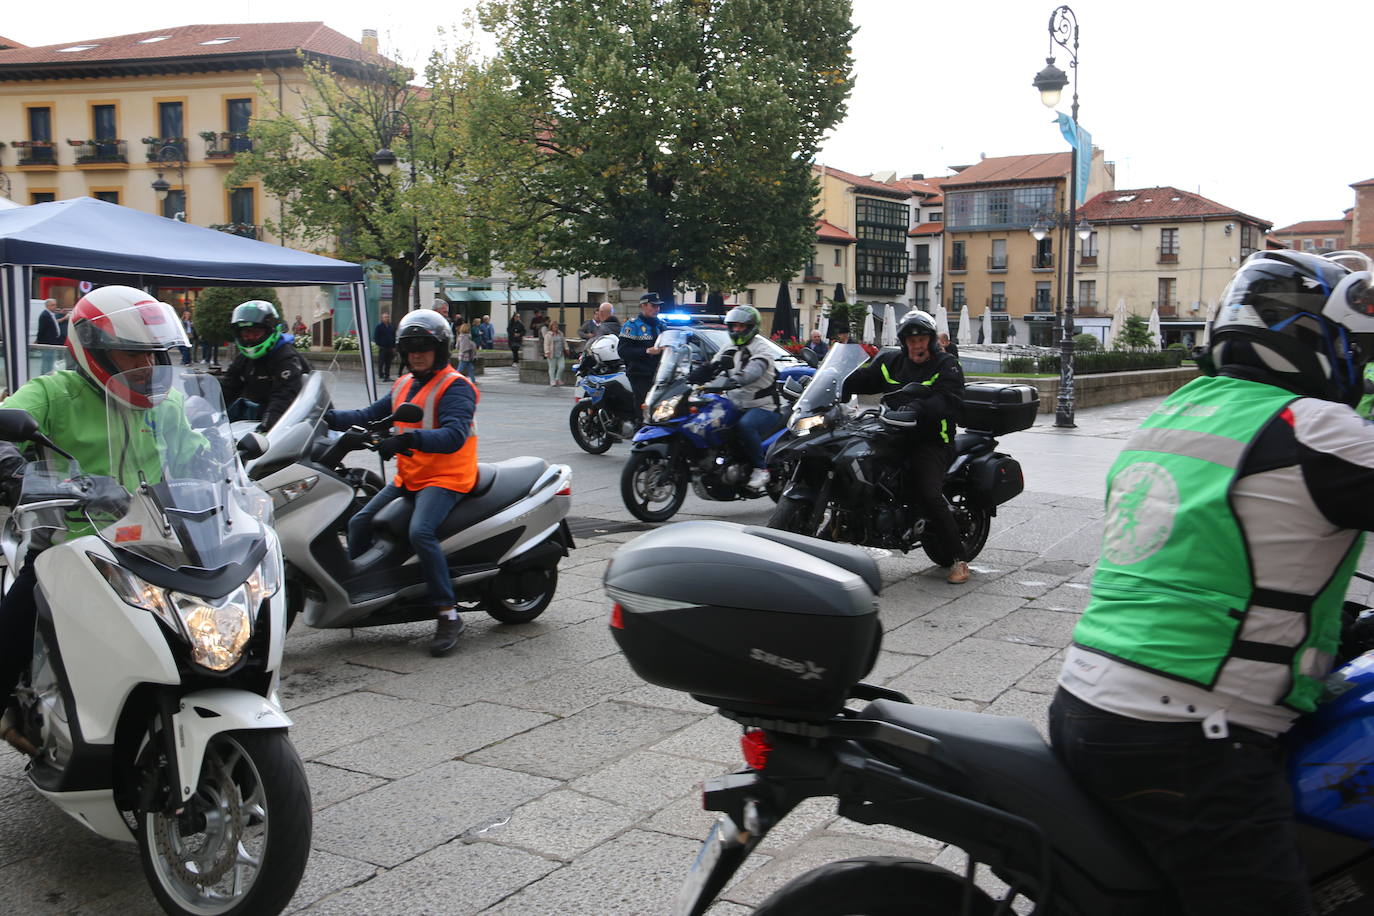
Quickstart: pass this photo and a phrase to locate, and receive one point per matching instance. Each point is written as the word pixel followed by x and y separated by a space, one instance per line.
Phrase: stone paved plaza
pixel 532 773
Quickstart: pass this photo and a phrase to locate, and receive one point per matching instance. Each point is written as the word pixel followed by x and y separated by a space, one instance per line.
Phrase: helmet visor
pixel 146 326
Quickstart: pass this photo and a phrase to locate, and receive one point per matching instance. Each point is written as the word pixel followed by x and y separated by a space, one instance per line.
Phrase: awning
pixel 497 295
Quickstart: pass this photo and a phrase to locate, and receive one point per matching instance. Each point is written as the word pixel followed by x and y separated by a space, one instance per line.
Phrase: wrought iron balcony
pixel 247 230
pixel 922 266
pixel 1043 261
pixel 958 263
pixel 225 144
pixel 35 152
pixel 812 278
pixel 1166 255
pixel 997 303
pixel 94 152
pixel 1168 308
pixel 995 263
pixel 1087 260
pixel 1041 304
pixel 155 146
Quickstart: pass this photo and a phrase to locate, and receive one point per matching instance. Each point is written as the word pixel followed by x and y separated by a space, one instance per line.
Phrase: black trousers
pixel 928 463
pixel 384 357
pixel 1214 815
pixel 18 614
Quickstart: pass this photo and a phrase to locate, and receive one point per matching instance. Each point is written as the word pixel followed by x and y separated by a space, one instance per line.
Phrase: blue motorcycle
pixel 688 439
pixel 606 413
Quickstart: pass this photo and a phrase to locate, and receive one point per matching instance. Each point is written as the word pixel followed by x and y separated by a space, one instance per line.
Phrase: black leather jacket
pixel 933 390
pixel 273 381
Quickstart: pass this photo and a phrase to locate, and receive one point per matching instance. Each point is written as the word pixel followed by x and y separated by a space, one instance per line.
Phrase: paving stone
pixel 975 669
pixel 570 747
pixel 424 743
pixel 1033 627
pixel 940 701
pixel 307 684
pixel 562 824
pixel 1071 597
pixel 945 626
pixel 576 610
pixel 1044 678
pixel 652 695
pixel 684 817
pixel 456 879
pixel 333 723
pixel 469 677
pixel 574 688
pixel 807 818
pixel 635 874
pixel 647 780
pixel 68 875
pixel 891 664
pixel 327 874
pixel 403 819
pixel 133 899
pixel 582 642
pixel 331 785
pixel 1019 584
pixel 715 738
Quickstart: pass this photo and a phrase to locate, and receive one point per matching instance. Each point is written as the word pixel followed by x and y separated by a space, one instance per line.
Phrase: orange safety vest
pixel 451 471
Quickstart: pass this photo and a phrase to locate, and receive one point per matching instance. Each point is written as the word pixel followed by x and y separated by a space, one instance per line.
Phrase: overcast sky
pixel 1262 105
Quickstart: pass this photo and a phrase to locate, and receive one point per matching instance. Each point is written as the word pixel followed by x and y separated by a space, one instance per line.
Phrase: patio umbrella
pixel 889 326
pixel 1118 323
pixel 941 320
pixel 784 317
pixel 987 325
pixel 839 292
pixel 1154 328
pixel 822 324
pixel 1206 339
pixel 965 327
pixel 868 325
pixel 715 301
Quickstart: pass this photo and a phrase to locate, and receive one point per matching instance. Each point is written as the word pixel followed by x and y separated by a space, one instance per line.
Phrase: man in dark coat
pixel 384 336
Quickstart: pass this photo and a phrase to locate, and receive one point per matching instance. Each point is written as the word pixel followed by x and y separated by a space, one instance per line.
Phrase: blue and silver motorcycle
pixel 688 438
pixel 606 413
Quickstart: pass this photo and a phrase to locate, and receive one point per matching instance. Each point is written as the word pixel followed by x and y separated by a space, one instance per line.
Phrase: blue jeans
pixel 465 367
pixel 757 424
pixel 432 506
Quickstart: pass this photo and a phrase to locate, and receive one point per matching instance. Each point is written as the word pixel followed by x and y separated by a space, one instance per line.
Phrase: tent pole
pixel 364 339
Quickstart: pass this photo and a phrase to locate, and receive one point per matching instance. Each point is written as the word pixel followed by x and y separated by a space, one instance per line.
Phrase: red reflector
pixel 756 747
pixel 693 410
pixel 617 617
pixel 566 491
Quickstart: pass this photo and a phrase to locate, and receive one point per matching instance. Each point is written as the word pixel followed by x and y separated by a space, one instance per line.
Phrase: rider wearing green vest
pixel 1366 406
pixel 1235 516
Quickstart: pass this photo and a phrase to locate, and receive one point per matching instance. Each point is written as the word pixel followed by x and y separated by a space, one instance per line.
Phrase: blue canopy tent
pixel 87 239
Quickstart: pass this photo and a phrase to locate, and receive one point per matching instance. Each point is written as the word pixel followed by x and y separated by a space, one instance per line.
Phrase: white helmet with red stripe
pixel 122 318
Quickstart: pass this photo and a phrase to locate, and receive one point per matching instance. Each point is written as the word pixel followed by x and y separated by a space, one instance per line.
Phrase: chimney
pixel 370 40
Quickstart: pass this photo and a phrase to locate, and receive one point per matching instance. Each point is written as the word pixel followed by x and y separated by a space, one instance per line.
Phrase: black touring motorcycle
pixel 847 477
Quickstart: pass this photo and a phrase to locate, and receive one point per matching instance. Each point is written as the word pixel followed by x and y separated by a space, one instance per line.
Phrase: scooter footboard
pixel 206 713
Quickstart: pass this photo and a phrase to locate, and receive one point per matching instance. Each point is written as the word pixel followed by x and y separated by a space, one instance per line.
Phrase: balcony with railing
pixel 812 278
pixel 101 152
pixel 224 145
pixel 1168 308
pixel 1043 261
pixel 155 147
pixel 997 264
pixel 958 264
pixel 35 153
pixel 1041 304
pixel 922 303
pixel 1087 260
pixel 997 303
pixel 922 266
pixel 245 230
pixel 1166 254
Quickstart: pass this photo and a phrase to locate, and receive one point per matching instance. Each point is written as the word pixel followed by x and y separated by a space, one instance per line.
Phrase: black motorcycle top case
pixel 1000 409
pixel 747 618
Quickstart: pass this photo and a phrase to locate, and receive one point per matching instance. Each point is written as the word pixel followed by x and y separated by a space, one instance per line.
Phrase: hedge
pixel 1107 361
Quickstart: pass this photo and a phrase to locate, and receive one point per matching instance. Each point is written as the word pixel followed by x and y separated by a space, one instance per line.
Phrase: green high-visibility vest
pixel 1174 583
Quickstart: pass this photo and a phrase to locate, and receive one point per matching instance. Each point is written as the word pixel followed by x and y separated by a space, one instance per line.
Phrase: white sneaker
pixel 759 479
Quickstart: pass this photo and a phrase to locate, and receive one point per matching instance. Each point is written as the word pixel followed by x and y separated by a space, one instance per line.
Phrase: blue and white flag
pixel 1084 145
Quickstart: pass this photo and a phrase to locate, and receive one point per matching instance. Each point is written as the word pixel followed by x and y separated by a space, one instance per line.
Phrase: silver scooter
pixel 503 540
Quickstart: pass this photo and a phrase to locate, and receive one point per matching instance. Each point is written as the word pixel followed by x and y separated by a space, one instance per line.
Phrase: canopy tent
pixel 87 239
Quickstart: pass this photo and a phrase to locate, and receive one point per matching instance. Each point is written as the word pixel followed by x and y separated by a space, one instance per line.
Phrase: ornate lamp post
pixel 170 156
pixel 1063 28
pixel 385 160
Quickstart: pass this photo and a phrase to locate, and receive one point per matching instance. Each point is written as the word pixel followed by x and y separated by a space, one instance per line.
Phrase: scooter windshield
pixel 826 386
pixel 172 479
pixel 302 421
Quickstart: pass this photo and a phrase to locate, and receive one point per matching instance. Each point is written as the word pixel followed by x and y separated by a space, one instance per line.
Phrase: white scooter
pixel 503 540
pixel 150 709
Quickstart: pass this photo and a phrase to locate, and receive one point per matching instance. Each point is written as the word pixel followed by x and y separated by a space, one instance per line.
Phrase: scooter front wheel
pixel 521 597
pixel 241 843
pixel 587 430
pixel 877 886
pixel 652 486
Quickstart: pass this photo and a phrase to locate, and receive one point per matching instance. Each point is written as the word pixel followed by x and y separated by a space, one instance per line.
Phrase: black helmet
pixel 1302 321
pixel 916 322
pixel 425 329
pixel 257 313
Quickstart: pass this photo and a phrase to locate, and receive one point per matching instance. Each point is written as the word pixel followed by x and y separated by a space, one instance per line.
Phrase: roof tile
pixel 829 232
pixel 1162 203
pixel 1035 167
pixel 859 181
pixel 1313 227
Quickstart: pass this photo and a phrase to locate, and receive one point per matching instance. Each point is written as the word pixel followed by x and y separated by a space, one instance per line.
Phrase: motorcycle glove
pixel 396 445
pixel 703 374
pixel 329 419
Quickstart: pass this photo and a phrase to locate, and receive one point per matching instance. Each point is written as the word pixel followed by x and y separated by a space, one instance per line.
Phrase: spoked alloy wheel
pixel 525 598
pixel 653 487
pixel 587 430
pixel 241 844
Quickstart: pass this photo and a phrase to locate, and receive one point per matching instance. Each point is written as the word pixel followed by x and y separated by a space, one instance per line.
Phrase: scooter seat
pixel 498 485
pixel 1008 760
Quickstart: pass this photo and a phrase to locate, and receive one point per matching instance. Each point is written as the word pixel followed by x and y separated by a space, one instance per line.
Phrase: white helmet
pixel 123 318
pixel 605 349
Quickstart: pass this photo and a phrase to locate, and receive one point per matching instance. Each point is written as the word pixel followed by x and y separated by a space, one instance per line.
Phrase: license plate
pixel 722 833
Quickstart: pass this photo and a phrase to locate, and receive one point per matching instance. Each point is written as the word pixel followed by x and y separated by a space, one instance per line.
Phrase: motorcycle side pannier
pixel 995 478
pixel 1000 409
pixel 746 618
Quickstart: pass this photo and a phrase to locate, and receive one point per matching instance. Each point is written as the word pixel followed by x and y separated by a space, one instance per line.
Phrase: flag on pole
pixel 1084 145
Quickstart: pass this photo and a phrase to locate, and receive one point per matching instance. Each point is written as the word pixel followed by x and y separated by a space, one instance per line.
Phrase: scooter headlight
pixel 665 408
pixel 217 629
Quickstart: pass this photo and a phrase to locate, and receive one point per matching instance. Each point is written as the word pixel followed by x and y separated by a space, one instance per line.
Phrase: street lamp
pixel 385 161
pixel 169 157
pixel 1063 28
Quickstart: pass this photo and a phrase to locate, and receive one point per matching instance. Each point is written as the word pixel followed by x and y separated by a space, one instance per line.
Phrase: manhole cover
pixel 596 527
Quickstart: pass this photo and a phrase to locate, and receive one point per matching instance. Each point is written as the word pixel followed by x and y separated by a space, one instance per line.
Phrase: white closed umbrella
pixel 822 324
pixel 1154 329
pixel 868 324
pixel 987 325
pixel 1206 339
pixel 941 320
pixel 889 326
pixel 1117 325
pixel 966 335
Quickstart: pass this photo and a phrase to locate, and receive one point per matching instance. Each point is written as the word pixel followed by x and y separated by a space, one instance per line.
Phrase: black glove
pixel 703 374
pixel 329 419
pixel 11 477
pixel 917 389
pixel 396 445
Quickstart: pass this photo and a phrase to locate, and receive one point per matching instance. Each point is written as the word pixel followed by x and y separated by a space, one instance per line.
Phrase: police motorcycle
pixel 688 437
pixel 149 711
pixel 503 540
pixel 848 479
pixel 606 412
pixel 778 630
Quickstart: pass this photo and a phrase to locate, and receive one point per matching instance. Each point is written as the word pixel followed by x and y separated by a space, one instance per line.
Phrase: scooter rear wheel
pixel 523 597
pixel 877 886
pixel 587 431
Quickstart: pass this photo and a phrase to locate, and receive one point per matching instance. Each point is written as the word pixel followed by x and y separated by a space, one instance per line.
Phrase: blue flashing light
pixel 676 317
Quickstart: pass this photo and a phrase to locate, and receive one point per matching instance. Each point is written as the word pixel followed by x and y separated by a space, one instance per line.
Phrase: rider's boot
pixel 758 479
pixel 446 630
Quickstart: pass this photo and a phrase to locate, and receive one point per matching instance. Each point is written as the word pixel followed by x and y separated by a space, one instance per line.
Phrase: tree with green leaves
pixel 215 306
pixel 661 142
pixel 1135 335
pixel 318 153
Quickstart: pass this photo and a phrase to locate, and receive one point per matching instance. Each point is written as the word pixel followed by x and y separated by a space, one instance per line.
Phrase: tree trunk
pixel 402 276
pixel 661 280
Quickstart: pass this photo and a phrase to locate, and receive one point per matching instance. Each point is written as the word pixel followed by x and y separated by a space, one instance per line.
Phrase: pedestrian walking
pixel 556 352
pixel 384 336
pixel 190 330
pixel 467 350
pixel 515 336
pixel 487 339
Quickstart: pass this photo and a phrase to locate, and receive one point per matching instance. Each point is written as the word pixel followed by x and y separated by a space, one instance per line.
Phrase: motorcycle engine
pixel 735 474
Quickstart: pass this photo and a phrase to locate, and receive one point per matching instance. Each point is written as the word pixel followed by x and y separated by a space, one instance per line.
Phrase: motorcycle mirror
pixel 809 357
pixel 408 413
pixel 16 425
pixel 252 445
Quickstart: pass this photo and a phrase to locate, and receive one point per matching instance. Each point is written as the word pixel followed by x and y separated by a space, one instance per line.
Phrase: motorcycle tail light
pixel 756 747
pixel 567 489
pixel 617 617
